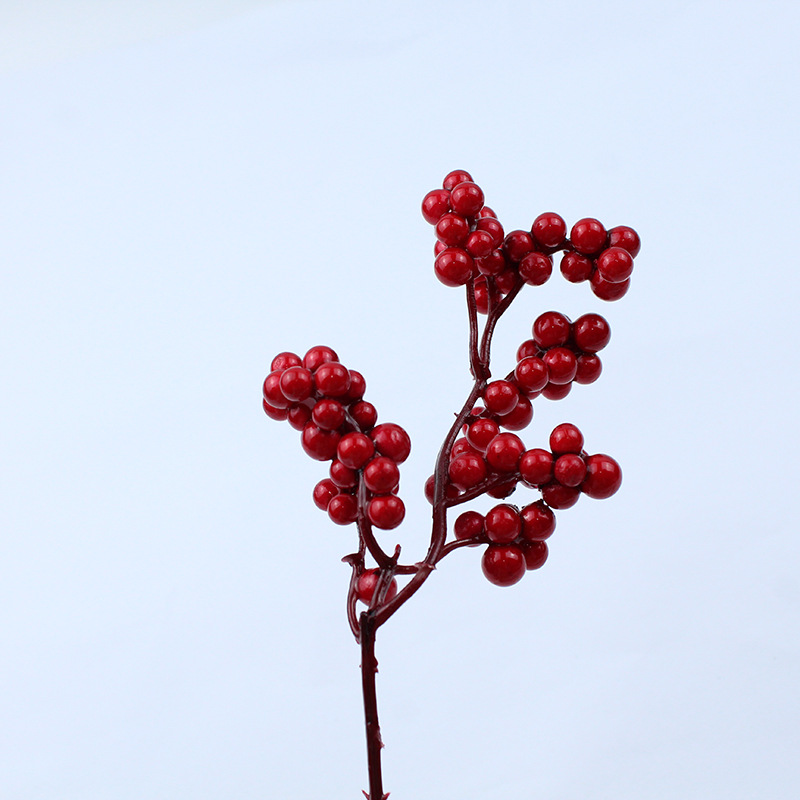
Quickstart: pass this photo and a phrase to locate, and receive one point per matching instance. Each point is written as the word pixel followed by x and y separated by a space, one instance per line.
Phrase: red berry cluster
pixel 485 457
pixel 323 399
pixel 472 244
pixel 559 353
pixel 516 538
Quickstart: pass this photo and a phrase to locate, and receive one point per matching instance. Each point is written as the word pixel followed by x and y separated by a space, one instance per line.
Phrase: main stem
pixel 369 668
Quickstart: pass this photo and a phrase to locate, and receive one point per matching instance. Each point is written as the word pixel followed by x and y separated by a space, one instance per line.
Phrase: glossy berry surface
pixel 566 438
pixel 603 477
pixel 355 449
pixel 452 179
pixel 392 441
pixel 466 198
pixel 500 397
pixel 588 236
pixel 576 268
pixel 367 583
pixel 453 266
pixel 558 496
pixel 317 356
pixel 591 333
pixel 549 230
pixel 502 523
pixel 536 467
pixel 468 525
pixel 381 475
pixel 435 205
pixel 615 264
pixel 467 470
pixel 535 554
pixel 343 509
pixel 551 329
pixel 386 511
pixel 569 470
pixel 504 452
pixel 503 564
pixel 538 521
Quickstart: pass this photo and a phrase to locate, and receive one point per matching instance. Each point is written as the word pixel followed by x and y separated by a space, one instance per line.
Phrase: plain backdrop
pixel 187 190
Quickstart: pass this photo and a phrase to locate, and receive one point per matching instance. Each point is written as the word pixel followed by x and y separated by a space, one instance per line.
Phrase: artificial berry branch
pixel 324 400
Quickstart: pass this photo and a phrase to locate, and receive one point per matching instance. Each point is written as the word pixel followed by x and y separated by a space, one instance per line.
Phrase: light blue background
pixel 183 196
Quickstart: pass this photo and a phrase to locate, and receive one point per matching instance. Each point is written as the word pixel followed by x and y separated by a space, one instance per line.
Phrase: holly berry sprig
pixel 481 453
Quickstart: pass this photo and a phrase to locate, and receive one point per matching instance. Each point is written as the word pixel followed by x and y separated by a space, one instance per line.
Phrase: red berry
pixel 317 356
pixel 562 365
pixel 357 386
pixel 589 369
pixel 452 230
pixel 355 449
pixel 588 236
pixel 551 329
pixel 367 583
pixel 606 290
pixel 487 212
pixel 450 490
pixel 468 525
pixel 492 264
pixel 531 374
pixel 297 384
pixel 332 379
pixel 549 229
pixel 603 476
pixel 324 492
pixel 392 441
pixel 343 476
pixel 520 417
pixel 467 470
pixel 328 414
pixel 615 264
pixel 569 470
pixel 438 247
pixel 272 391
pixel 566 438
pixel 626 238
pixel 381 475
pixel 481 432
pixel 503 564
pixel 504 451
pixel 453 266
pixel 278 414
pixel 506 280
pixel 283 361
pixel 493 227
pixel 364 414
pixel 591 333
pixel 386 511
pixel 481 296
pixel 528 349
pixel 343 509
pixel 536 268
pixel 298 415
pixel 502 490
pixel 517 245
pixel 538 522
pixel 466 198
pixel 554 391
pixel 536 467
pixel 452 179
pixel 479 244
pixel 535 554
pixel 463 447
pixel 576 268
pixel 502 523
pixel 319 444
pixel 558 496
pixel 500 397
pixel 435 205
